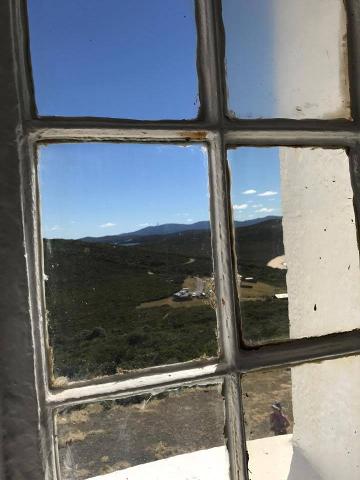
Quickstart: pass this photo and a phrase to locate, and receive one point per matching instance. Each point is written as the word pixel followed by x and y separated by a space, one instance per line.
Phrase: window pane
pixel 173 435
pixel 111 58
pixel 287 58
pixel 304 423
pixel 320 241
pixel 127 256
pixel 315 227
pixel 262 268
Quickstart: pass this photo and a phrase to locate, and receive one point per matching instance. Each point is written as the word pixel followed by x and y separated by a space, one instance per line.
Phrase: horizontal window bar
pixel 312 138
pixel 170 369
pixel 70 132
pixel 268 356
pixel 299 351
pixel 231 138
pixel 102 132
pixel 139 384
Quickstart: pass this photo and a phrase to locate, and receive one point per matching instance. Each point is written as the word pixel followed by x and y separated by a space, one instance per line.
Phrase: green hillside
pixel 95 292
pixel 92 294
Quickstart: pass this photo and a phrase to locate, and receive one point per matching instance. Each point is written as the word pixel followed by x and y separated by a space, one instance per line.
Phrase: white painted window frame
pixel 28 441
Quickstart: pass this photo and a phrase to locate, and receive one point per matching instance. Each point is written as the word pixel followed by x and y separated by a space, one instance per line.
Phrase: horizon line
pixel 160 225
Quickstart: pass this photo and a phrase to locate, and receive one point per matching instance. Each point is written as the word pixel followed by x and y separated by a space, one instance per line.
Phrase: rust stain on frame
pixel 196 135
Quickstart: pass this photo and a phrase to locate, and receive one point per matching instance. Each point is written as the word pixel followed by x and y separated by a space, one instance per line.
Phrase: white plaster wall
pixel 320 242
pixel 276 458
pixel 310 59
pixel 323 270
pixel 326 407
pixel 211 464
pixel 270 458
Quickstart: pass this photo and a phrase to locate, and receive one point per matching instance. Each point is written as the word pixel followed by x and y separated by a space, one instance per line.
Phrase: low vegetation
pixel 94 293
pixel 265 320
pixel 95 327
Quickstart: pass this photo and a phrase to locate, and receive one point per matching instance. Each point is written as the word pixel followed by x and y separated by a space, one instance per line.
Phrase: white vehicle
pixel 183 294
pixel 198 294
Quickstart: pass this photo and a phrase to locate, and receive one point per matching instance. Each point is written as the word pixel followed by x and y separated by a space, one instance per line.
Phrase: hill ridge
pixel 168 229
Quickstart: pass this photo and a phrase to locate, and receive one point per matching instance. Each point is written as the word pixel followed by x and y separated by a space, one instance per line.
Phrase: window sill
pixel 272 458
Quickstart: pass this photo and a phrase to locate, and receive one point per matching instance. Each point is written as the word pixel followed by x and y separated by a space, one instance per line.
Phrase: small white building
pixel 281 295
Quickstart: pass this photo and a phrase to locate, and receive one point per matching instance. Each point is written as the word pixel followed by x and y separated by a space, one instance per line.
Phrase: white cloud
pixel 268 193
pixel 142 225
pixel 55 228
pixel 251 191
pixel 257 205
pixel 242 206
pixel 107 225
pixel 189 220
pixel 265 210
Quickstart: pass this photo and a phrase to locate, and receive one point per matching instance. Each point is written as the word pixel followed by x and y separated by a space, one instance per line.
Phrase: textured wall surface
pixel 311 59
pixel 320 242
pixel 326 399
pixel 324 296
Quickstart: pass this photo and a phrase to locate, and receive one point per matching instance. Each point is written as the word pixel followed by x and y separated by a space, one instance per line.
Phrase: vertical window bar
pixel 221 243
pixel 208 61
pixel 211 46
pixel 32 237
pixel 235 428
pixel 23 405
pixel 22 52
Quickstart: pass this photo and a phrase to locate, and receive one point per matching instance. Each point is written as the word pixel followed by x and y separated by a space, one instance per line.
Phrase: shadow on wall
pixel 300 467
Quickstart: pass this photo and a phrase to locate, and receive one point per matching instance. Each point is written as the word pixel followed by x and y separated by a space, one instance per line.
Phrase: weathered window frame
pixel 28 402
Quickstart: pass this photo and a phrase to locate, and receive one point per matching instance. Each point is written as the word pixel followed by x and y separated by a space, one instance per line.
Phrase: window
pixel 317 158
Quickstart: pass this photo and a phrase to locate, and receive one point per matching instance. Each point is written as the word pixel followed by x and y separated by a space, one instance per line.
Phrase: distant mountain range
pixel 168 229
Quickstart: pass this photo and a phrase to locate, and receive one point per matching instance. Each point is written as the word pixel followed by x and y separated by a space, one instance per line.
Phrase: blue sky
pixel 250 57
pixel 137 59
pixel 105 188
pixel 255 182
pixel 114 58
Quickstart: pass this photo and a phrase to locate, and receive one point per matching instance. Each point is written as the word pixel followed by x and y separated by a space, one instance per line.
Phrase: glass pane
pixel 314 224
pixel 304 423
pixel 286 58
pixel 112 58
pixel 173 435
pixel 320 240
pixel 127 256
pixel 262 268
pixel 260 391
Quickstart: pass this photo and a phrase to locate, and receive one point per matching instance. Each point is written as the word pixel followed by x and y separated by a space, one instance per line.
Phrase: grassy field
pixel 265 320
pixel 95 326
pixel 103 437
pixel 109 307
pixel 260 390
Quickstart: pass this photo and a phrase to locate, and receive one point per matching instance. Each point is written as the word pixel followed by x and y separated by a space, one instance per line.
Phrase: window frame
pixel 24 131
